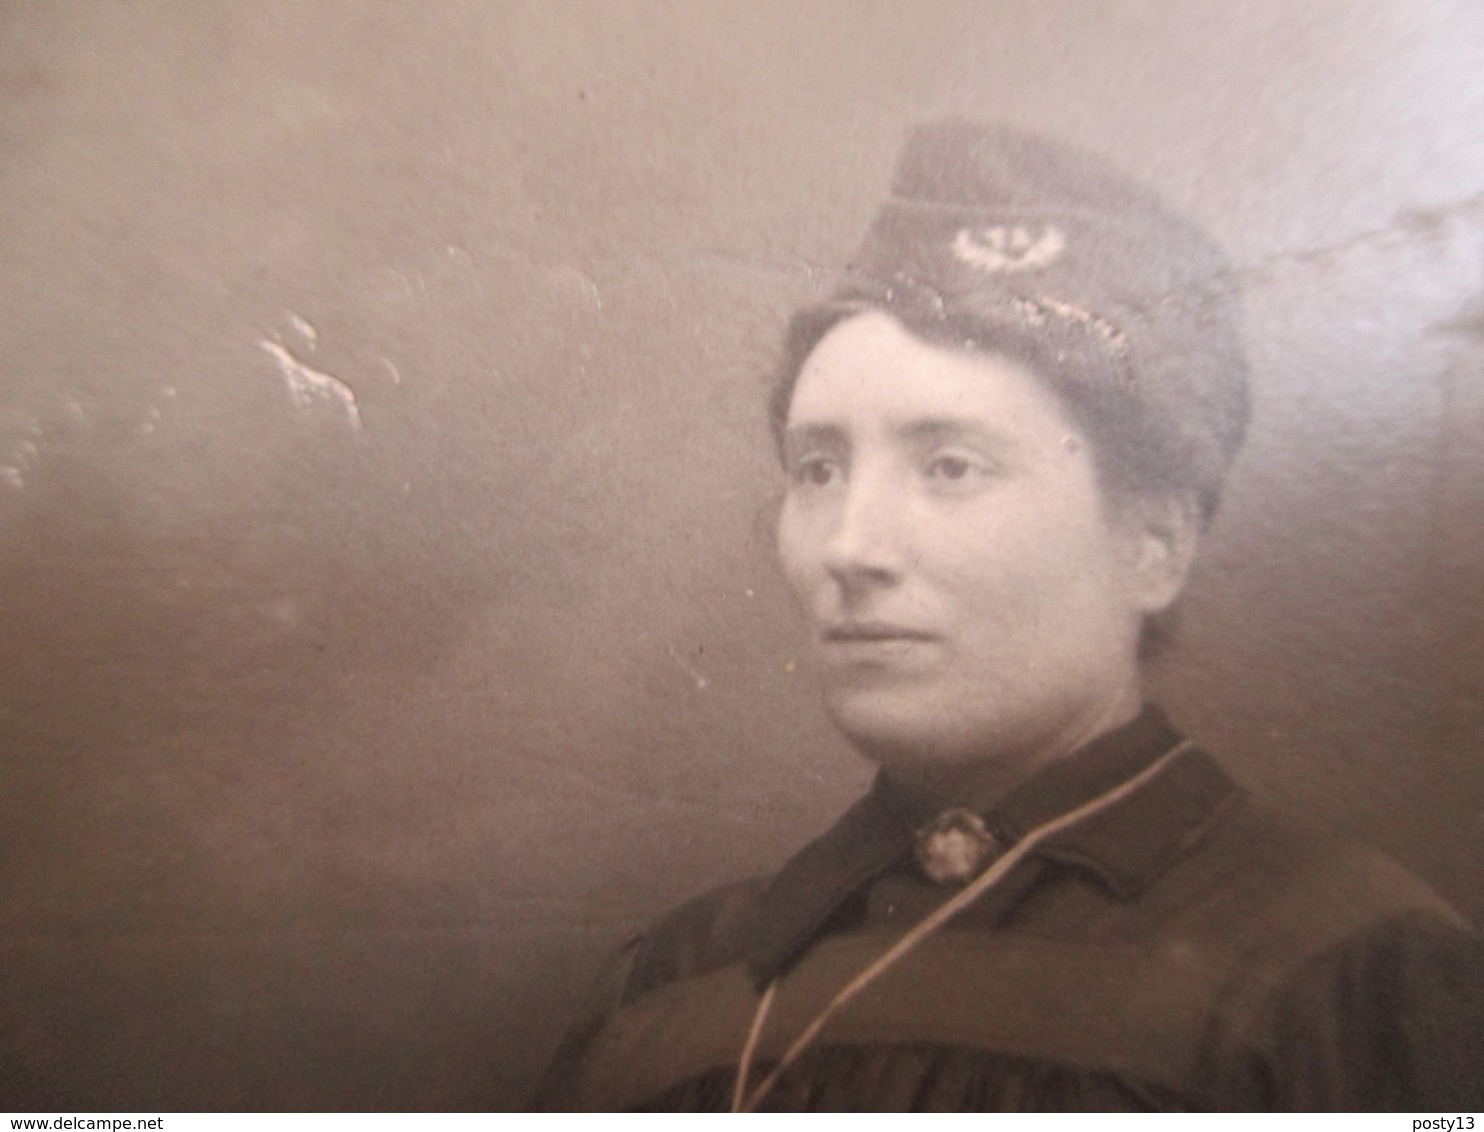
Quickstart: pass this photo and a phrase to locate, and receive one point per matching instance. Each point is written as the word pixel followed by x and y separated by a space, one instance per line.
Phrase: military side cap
pixel 1000 240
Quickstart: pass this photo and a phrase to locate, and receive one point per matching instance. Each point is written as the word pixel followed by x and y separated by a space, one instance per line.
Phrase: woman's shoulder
pixel 1298 883
pixel 702 935
pixel 1353 983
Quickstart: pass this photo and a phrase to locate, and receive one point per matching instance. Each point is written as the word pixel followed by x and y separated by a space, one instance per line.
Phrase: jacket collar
pixel 1125 847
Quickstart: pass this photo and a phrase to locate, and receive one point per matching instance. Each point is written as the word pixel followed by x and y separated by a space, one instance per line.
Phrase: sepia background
pixel 387 607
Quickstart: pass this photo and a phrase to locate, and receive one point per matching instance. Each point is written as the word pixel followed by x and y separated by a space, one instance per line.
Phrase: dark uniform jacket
pixel 1181 949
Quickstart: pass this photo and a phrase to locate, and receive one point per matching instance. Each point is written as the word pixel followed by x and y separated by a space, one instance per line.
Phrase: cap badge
pixel 1006 248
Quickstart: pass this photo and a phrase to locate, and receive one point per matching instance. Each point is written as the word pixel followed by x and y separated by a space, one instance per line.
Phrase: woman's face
pixel 972 593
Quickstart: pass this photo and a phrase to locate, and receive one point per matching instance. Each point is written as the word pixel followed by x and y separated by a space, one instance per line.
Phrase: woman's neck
pixel 979 783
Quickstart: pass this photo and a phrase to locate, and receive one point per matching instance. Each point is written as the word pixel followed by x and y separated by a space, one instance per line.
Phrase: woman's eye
pixel 816 471
pixel 952 468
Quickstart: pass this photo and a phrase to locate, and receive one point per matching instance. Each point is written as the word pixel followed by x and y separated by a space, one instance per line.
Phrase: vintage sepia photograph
pixel 664 555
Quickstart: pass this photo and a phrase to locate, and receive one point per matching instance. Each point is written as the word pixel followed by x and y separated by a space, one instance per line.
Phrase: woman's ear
pixel 1166 530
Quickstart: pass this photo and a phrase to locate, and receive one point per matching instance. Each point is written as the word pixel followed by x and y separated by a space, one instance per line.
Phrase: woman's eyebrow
pixel 800 436
pixel 937 430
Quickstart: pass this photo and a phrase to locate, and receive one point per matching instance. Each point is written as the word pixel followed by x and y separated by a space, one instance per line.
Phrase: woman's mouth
pixel 873 631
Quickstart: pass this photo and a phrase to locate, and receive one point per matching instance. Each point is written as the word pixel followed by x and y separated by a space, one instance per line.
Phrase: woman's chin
pixel 894 730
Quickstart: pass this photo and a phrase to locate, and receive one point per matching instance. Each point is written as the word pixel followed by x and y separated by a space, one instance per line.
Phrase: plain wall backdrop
pixel 387 603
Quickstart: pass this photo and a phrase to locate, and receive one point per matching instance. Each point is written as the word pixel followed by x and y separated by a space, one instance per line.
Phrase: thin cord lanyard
pixel 742 1102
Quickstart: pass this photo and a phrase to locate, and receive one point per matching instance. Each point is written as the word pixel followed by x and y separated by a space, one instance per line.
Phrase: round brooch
pixel 955 847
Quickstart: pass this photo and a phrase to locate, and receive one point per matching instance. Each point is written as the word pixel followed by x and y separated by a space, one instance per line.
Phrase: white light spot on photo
pixel 688 670
pixel 305 328
pixel 309 387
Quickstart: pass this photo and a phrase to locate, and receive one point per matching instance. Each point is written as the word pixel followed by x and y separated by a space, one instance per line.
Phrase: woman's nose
pixel 864 546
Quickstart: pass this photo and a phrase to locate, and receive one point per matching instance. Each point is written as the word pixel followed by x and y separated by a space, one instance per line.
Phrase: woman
pixel 1002 441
